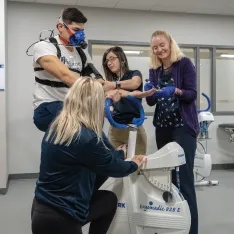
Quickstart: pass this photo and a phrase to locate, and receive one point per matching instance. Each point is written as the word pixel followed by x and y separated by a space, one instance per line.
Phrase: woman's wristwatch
pixel 118 85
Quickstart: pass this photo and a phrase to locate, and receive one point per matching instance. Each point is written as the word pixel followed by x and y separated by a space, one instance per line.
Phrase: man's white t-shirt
pixel 45 93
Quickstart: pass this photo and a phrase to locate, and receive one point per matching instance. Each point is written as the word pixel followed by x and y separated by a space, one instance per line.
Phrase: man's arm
pixel 45 54
pixel 56 68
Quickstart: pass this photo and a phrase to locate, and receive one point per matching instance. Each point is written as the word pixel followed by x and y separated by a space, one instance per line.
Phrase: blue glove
pixel 149 85
pixel 165 92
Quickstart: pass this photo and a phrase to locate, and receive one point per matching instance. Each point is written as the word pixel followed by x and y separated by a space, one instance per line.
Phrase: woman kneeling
pixel 75 153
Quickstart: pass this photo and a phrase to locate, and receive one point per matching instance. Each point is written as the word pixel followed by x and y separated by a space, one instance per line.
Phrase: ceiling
pixel 217 7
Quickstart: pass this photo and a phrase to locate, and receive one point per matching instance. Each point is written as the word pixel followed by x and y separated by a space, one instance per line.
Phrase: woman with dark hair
pixel 129 82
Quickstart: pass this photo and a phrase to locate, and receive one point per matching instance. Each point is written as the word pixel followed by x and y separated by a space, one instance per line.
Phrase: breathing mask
pixel 77 38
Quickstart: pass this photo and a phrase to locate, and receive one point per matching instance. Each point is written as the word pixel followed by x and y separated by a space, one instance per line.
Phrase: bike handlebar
pixel 208 101
pixel 136 121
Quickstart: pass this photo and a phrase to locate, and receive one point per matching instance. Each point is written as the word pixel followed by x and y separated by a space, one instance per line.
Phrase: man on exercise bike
pixel 58 62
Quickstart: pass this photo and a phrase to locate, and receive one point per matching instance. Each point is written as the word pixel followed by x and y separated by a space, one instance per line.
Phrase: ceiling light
pixel 132 52
pixel 227 55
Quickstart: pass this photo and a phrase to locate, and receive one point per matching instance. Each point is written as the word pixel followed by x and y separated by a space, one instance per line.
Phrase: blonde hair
pixel 176 53
pixel 83 106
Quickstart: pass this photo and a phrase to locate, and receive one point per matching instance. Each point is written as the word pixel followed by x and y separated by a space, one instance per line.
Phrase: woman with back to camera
pixel 129 82
pixel 73 153
pixel 175 117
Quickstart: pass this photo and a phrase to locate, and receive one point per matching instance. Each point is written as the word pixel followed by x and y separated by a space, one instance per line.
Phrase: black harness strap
pixel 38 69
pixel 75 70
pixel 82 56
pixel 56 83
pixel 55 43
pixel 51 83
pixel 71 69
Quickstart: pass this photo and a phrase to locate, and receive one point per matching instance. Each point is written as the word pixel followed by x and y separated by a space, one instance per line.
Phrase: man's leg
pixel 189 144
pixel 46 113
pixel 102 210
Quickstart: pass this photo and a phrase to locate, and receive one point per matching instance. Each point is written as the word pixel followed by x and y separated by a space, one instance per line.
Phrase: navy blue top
pixel 167 114
pixel 125 110
pixel 67 174
pixel 184 74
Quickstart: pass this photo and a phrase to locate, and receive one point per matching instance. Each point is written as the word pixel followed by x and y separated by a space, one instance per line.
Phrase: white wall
pixel 26 21
pixel 225 84
pixel 3 154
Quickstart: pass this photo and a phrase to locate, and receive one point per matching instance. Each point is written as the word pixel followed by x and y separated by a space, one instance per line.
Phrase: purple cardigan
pixel 184 75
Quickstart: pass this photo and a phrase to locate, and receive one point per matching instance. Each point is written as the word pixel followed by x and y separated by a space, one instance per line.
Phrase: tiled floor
pixel 216 206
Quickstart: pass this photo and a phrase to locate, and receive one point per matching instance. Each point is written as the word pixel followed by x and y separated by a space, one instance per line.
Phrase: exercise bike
pixel 203 161
pixel 229 128
pixel 148 202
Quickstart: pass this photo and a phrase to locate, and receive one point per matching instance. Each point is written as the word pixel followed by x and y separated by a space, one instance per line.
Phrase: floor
pixel 216 206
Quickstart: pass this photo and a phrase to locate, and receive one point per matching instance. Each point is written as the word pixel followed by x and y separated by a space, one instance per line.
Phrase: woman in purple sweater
pixel 175 117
